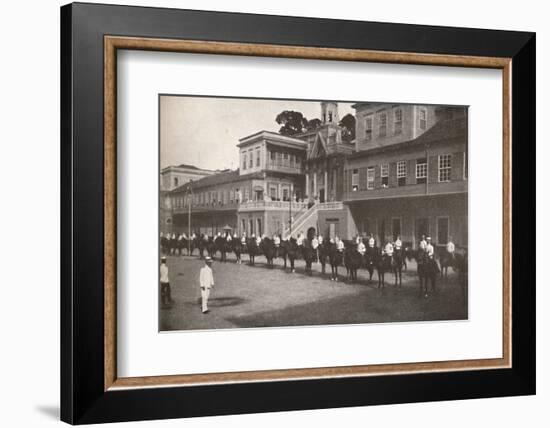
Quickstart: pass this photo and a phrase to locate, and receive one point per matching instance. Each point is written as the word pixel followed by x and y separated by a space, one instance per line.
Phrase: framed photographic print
pixel 284 213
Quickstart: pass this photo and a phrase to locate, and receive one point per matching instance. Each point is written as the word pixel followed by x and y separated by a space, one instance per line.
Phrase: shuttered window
pixel 384 174
pixel 370 178
pixel 444 168
pixel 398 121
pixel 401 173
pixel 355 180
pixel 421 170
pixel 368 128
pixel 382 124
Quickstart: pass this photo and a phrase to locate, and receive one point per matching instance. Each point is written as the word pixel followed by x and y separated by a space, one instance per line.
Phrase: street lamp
pixel 189 203
pixel 290 216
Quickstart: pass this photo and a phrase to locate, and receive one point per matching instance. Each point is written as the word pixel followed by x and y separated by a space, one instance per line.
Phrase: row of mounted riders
pixel 326 253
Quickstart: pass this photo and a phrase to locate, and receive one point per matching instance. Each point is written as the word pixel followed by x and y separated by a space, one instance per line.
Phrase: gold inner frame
pixel 113 43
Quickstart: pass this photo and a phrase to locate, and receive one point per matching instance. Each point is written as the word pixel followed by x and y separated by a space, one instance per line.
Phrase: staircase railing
pixel 300 220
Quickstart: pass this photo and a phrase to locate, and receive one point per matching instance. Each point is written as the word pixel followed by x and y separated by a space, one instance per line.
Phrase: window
pixel 176 181
pixel 370 178
pixel 442 230
pixel 444 171
pixel 384 174
pixel 243 226
pixel 250 160
pixel 246 195
pixel 285 159
pixel 257 157
pixel 401 173
pixel 421 171
pixel 368 128
pixel 298 162
pixel 272 156
pixel 285 194
pixel 397 121
pixel 244 161
pixel 330 116
pixel 355 180
pixel 423 119
pixel 231 196
pixel 292 161
pixel 382 124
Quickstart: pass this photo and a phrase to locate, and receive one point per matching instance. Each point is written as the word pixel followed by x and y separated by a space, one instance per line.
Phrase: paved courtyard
pixel 246 296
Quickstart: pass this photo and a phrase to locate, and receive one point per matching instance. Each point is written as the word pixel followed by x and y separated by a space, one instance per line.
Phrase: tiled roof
pixel 184 165
pixel 215 179
pixel 443 130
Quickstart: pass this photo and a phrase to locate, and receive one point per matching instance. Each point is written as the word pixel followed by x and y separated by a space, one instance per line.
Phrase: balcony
pixel 284 167
pixel 197 208
pixel 271 206
pixel 337 205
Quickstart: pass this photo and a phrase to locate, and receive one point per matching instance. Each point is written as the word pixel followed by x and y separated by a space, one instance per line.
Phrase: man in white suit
pixel 206 279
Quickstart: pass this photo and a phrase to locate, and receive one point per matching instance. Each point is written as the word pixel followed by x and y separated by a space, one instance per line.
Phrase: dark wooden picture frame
pixel 90 37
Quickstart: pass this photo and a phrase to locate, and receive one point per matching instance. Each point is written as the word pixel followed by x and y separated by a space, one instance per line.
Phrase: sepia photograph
pixel 281 212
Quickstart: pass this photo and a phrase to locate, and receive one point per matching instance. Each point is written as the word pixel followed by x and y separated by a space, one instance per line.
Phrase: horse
pixel 202 244
pixel 384 263
pixel 164 244
pixel 308 253
pixel 323 254
pixel 289 248
pixel 370 260
pixel 192 244
pixel 223 246
pixel 270 251
pixel 335 257
pixel 447 260
pixel 427 271
pixel 238 249
pixel 253 250
pixel 352 260
pixel 181 243
pixel 461 263
pixel 397 265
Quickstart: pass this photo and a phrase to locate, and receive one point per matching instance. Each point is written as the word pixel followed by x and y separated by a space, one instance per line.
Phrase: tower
pixel 329 112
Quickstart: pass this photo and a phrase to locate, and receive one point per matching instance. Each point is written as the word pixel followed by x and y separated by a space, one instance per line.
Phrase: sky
pixel 204 131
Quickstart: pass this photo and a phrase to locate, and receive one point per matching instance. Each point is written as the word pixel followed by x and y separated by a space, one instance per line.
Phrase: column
pixel 314 183
pixel 291 196
pixel 326 185
pixel 279 196
pixel 306 194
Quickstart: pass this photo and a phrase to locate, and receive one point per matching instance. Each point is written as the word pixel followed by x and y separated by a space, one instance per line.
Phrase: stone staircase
pixel 310 217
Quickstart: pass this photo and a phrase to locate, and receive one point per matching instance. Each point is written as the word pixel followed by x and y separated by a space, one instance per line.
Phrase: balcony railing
pixel 282 167
pixel 337 205
pixel 273 205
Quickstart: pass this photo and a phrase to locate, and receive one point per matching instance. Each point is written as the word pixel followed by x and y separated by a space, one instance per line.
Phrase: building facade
pixel 171 178
pixel 258 198
pixel 404 174
pixel 413 187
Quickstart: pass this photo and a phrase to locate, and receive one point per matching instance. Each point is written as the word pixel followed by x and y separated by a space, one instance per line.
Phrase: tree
pixel 293 122
pixel 313 124
pixel 348 127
